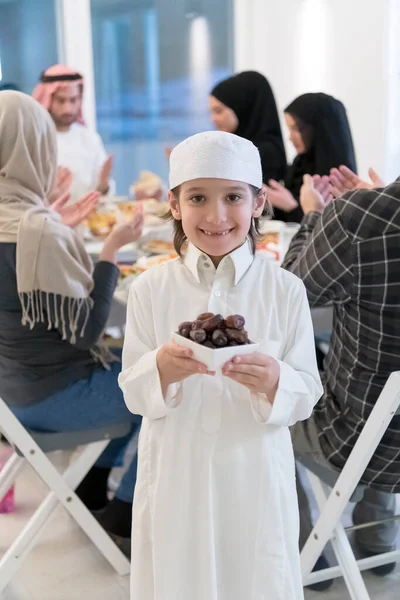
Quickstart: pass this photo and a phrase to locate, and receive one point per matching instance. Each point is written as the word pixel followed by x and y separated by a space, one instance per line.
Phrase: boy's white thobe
pixel 215 512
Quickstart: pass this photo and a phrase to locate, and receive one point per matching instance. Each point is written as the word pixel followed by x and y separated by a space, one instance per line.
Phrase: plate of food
pixel 101 221
pixel 153 211
pixel 158 247
pixel 275 238
pixel 144 263
pixel 269 244
pixel 128 272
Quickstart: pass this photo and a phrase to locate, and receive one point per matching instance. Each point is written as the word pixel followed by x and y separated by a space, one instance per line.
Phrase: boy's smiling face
pixel 216 214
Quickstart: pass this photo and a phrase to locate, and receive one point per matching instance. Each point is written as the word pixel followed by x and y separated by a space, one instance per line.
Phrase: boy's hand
pixel 258 372
pixel 175 364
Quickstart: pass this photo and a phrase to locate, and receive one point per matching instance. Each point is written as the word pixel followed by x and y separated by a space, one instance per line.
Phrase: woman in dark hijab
pixel 245 105
pixel 320 133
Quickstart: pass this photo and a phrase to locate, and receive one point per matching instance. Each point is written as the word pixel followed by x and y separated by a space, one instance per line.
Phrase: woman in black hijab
pixel 245 105
pixel 320 133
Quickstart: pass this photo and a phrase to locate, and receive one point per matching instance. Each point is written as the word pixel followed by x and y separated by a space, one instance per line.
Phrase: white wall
pixel 393 109
pixel 75 48
pixel 345 48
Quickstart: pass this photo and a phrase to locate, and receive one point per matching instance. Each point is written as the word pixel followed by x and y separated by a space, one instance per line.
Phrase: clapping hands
pixel 315 193
pixel 344 180
pixel 280 197
pixel 62 185
pixel 73 214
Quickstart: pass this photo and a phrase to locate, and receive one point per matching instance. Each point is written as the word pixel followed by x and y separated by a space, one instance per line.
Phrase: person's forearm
pixel 109 253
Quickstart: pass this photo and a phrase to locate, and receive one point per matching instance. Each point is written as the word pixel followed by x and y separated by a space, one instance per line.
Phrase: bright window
pixel 28 41
pixel 155 62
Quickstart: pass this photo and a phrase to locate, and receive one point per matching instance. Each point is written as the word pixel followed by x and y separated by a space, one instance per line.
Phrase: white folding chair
pixel 332 502
pixel 32 447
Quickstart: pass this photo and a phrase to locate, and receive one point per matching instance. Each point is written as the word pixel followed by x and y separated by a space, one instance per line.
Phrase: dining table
pixel 280 235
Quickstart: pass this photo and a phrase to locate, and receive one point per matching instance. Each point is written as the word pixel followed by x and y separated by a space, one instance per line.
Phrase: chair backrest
pixel 387 405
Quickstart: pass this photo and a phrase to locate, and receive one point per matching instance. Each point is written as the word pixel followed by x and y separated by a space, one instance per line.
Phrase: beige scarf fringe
pixel 34 312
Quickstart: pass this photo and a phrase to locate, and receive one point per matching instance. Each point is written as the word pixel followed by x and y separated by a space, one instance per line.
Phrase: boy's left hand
pixel 258 372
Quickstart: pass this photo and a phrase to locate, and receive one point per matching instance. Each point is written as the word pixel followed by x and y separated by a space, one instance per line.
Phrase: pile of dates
pixel 213 331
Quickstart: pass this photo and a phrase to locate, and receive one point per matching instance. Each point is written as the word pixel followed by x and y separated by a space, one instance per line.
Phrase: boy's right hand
pixel 175 364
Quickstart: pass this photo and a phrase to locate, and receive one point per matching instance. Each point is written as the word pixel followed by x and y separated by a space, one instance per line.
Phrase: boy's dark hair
pixel 254 231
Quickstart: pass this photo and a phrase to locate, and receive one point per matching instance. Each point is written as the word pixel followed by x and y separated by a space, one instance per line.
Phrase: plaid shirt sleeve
pixel 320 254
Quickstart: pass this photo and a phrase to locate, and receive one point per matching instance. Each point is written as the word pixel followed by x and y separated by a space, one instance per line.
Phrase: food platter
pixel 155 246
pixel 144 263
pixel 117 210
pixel 275 239
pixel 129 272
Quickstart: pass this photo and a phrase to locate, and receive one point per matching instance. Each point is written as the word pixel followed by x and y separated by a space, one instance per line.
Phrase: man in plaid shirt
pixel 347 253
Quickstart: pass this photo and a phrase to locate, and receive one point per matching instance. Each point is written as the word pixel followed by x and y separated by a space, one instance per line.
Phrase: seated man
pixel 80 150
pixel 347 253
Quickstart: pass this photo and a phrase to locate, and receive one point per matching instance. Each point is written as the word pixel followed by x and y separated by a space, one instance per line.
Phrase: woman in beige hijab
pixel 54 372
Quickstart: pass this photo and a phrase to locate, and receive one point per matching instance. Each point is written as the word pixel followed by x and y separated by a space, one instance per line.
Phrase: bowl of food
pixel 215 340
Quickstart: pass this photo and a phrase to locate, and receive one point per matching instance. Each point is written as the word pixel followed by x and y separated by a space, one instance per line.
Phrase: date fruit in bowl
pixel 214 340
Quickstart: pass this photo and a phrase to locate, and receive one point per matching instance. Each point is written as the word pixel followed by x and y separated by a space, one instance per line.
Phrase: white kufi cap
pixel 215 154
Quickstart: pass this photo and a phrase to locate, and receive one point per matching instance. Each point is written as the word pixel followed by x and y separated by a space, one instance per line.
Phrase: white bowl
pixel 213 359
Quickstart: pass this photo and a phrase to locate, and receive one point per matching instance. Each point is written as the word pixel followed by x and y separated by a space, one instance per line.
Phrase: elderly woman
pixel 55 374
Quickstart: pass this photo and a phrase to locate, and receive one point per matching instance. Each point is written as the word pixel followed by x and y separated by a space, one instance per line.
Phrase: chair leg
pixel 341 546
pixel 363 564
pixel 9 473
pixel 316 543
pixel 82 515
pixel 349 567
pixel 20 548
pixel 61 491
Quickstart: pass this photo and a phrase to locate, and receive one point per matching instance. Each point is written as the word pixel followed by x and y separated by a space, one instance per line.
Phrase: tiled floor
pixel 65 566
